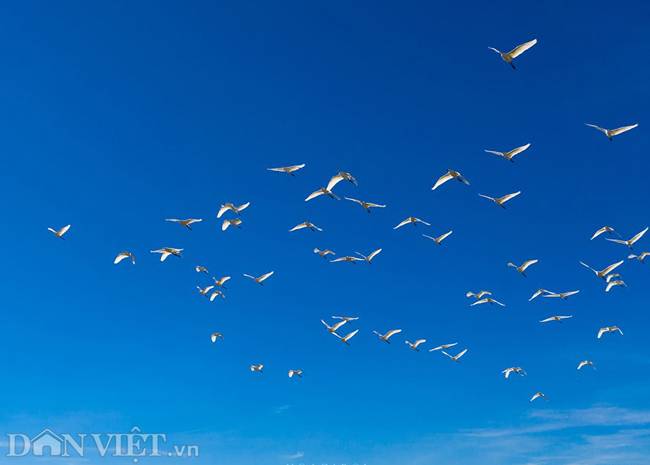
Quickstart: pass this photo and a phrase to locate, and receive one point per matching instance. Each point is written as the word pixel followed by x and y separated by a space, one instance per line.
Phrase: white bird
pixel 215 294
pixel 539 292
pixel 606 271
pixel 561 295
pixel 517 370
pixel 226 223
pixel 306 224
pixel 457 357
pixel 487 300
pixel 438 240
pixel 261 278
pixel 347 319
pixel 514 53
pixel 479 295
pixel 324 253
pixel 200 269
pixel 167 251
pixel 521 269
pixel 60 232
pixel 298 373
pixel 257 368
pixel 347 259
pixel 204 291
pixel 444 346
pixel 122 255
pixel 411 219
pixel 617 282
pixel 415 345
pixel 366 205
pixel 500 201
pixel 604 229
pixel 539 394
pixel 348 337
pixel 369 257
pixel 451 174
pixel 612 276
pixel 219 282
pixel 332 329
pixel 612 132
pixel 639 257
pixel 322 191
pixel 609 329
pixel 586 362
pixel 340 177
pixel 556 318
pixel 631 242
pixel 390 333
pixel 287 169
pixel 185 223
pixel 511 154
pixel 230 206
pixel 214 336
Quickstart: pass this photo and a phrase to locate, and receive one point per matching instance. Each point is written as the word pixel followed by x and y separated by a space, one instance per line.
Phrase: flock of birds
pixel 483 297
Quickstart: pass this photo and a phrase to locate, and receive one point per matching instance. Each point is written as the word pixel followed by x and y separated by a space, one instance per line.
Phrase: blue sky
pixel 117 116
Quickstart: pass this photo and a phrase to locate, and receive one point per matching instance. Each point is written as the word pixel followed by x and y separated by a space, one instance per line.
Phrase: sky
pixel 118 115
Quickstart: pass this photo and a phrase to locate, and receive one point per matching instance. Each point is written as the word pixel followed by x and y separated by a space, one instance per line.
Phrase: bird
pixel 631 242
pixel 609 329
pixel 511 154
pixel 500 201
pixel 562 295
pixel 60 232
pixel 347 319
pixel 226 223
pixel 214 336
pixel 606 229
pixel 369 258
pixel 411 219
pixel 287 169
pixel 366 205
pixel 122 255
pixel 230 206
pixel 324 253
pixel 515 52
pixel 457 357
pixel 539 394
pixel 306 224
pixel 384 337
pixel 451 174
pixel 322 191
pixel 415 345
pixel 539 292
pixel 479 295
pixel 438 240
pixel 332 329
pixel 261 278
pixel 219 282
pixel 204 291
pixel 298 373
pixel 487 300
pixel 639 257
pixel 612 132
pixel 586 362
pixel 521 269
pixel 517 370
pixel 606 271
pixel 347 259
pixel 612 276
pixel 167 251
pixel 444 346
pixel 215 294
pixel 200 269
pixel 185 223
pixel 617 282
pixel 348 337
pixel 556 318
pixel 257 368
pixel 340 177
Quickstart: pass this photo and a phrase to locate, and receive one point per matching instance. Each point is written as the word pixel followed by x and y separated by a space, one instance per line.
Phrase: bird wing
pixel 420 221
pixel 547 320
pixel 602 330
pixel 63 230
pixel 353 200
pixel 222 210
pixel 338 325
pixel 514 53
pixel 119 258
pixel 539 291
pixel 351 335
pixel 447 354
pixel 461 354
pixel 441 238
pixel 265 276
pixel 314 194
pixel 638 236
pixel 372 255
pixel 616 132
pixel 164 255
pixel 611 267
pixel 482 301
pixel 498 303
pixel 443 179
pixel 243 207
pixel 418 342
pixel 505 198
pixel 527 264
pixel 392 332
pixel 618 241
pixel 406 221
pixel 501 154
pixel 334 181
pixel 295 167
pixel 173 220
pixel 582 364
pixel 598 233
pixel 300 226
pixel 597 127
pixel 567 294
pixel 486 197
pixel 518 150
pixel 225 225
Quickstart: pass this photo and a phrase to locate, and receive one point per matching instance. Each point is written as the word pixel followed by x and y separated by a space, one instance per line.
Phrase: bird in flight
pixel 322 191
pixel 451 174
pixel 204 291
pixel 231 207
pixel 639 257
pixel 347 259
pixel 287 169
pixel 340 177
pixel 522 269
pixel 366 205
pixel 384 337
pixel 438 240
pixel 562 295
pixel 604 229
pixel 219 282
pixel 411 219
pixel 539 292
pixel 215 294
pixel 606 271
pixel 369 257
pixel 511 154
pixel 539 394
pixel 297 373
pixel 324 253
pixel 487 300
pixel 415 345
pixel 612 276
pixel 347 319
pixel 457 357
pixel 515 52
pixel 167 251
pixel 122 255
pixel 444 346
pixel 201 269
pixel 609 329
pixel 306 224
pixel 556 318
pixel 500 201
pixel 612 132
pixel 479 295
pixel 631 242
pixel 616 282
pixel 60 232
pixel 586 362
pixel 214 336
pixel 227 223
pixel 185 223
pixel 348 337
pixel 332 329
pixel 261 278
pixel 517 370
pixel 257 368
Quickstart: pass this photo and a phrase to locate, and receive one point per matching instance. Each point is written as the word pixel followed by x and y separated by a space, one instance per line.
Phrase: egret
pixel 287 169
pixel 384 337
pixel 185 223
pixel 298 373
pixel 515 52
pixel 556 318
pixel 219 282
pixel 411 219
pixel 609 329
pixel 369 257
pixel 214 336
pixel 231 207
pixel 612 132
pixel 322 191
pixel 438 240
pixel 586 362
pixel 511 154
pixel 122 255
pixel 60 232
pixel 451 174
pixel 366 205
pixel 226 223
pixel 167 251
pixel 306 224
pixel 500 201
pixel 324 253
pixel 457 357
pixel 631 242
pixel 261 278
pixel 415 345
pixel 444 346
pixel 521 269
pixel 340 177
pixel 604 229
pixel 606 271
pixel 639 257
pixel 539 394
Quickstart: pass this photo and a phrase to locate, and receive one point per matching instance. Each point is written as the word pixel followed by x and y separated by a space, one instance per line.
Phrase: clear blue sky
pixel 117 116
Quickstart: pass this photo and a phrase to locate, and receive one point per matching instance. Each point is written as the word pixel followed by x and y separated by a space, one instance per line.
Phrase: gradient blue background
pixel 117 116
